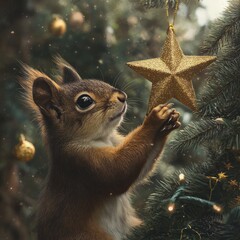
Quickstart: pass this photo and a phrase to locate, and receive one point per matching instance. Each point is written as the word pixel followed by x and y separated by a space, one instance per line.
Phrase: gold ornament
pixel 76 20
pixel 222 176
pixel 228 166
pixel 233 183
pixel 132 20
pixel 24 151
pixel 171 73
pixel 57 26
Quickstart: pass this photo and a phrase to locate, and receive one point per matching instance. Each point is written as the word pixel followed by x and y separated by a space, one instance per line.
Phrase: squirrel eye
pixel 84 101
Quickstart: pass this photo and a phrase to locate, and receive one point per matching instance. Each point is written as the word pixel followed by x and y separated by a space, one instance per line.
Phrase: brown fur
pixel 92 166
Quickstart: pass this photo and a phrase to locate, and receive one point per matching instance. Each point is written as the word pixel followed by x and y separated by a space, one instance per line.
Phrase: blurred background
pixel 97 38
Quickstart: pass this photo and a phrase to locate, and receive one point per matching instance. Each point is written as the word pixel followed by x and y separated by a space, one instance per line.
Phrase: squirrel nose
pixel 122 97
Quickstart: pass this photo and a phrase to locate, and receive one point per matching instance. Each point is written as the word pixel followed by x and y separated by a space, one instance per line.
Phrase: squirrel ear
pixel 70 75
pixel 45 94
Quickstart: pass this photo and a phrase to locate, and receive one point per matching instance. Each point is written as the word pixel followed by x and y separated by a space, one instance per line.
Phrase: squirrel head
pixel 72 107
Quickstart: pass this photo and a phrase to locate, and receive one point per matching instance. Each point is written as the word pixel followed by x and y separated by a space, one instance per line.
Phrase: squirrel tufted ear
pixel 69 74
pixel 45 94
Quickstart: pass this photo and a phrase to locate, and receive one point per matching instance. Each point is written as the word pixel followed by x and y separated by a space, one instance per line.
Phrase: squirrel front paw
pixel 161 116
pixel 172 123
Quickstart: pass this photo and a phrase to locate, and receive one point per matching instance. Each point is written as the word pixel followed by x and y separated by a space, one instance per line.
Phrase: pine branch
pixel 222 131
pixel 224 29
pixel 220 95
pixel 234 216
pixel 193 214
pixel 189 215
pixel 230 230
pixel 197 133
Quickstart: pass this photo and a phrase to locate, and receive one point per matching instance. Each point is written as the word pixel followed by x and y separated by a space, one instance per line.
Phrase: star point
pixel 171 73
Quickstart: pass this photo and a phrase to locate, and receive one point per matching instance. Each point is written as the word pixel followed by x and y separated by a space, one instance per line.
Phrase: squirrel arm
pixel 159 143
pixel 152 157
pixel 112 170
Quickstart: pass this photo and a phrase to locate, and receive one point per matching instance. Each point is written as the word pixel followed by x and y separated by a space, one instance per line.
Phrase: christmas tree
pixel 202 201
pixel 98 38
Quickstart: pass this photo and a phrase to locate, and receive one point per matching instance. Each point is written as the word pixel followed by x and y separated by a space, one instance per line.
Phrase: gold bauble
pixel 76 20
pixel 132 20
pixel 57 26
pixel 24 151
pixel 171 73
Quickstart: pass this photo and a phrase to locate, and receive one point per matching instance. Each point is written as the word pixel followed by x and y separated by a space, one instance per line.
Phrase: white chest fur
pixel 116 216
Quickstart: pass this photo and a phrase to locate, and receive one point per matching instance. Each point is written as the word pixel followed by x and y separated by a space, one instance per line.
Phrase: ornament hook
pixel 21 138
pixel 171 25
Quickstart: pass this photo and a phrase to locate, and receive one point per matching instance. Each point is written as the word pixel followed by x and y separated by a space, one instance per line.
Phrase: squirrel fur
pixel 93 168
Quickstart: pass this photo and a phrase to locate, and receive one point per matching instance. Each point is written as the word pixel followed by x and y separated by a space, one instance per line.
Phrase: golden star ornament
pixel 171 74
pixel 222 175
pixel 233 183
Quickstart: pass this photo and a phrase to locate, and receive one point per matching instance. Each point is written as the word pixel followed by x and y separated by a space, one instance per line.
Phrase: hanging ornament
pixel 24 151
pixel 57 26
pixel 132 20
pixel 76 20
pixel 171 73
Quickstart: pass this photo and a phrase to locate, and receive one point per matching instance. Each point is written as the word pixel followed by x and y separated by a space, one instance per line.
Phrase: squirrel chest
pixel 113 214
pixel 116 216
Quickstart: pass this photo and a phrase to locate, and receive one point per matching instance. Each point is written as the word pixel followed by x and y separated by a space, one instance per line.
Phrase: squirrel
pixel 93 168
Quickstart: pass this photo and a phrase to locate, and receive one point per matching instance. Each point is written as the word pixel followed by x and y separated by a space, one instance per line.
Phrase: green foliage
pixel 219 98
pixel 196 133
pixel 184 220
pixel 224 29
pixel 193 216
pixel 229 229
pixel 221 131
pixel 216 129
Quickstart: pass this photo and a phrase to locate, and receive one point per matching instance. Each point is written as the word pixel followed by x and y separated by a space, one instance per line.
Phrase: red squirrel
pixel 93 168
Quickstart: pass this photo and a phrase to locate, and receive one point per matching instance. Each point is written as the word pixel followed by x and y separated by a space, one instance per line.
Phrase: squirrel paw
pixel 173 122
pixel 161 116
